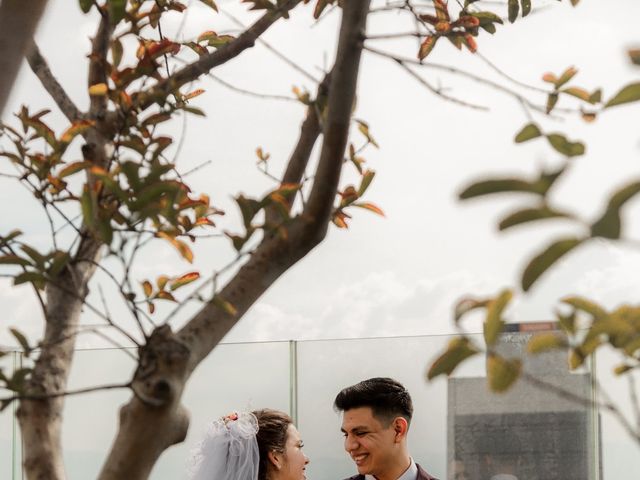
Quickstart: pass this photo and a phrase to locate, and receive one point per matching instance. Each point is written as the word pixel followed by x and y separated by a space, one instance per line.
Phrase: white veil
pixel 229 450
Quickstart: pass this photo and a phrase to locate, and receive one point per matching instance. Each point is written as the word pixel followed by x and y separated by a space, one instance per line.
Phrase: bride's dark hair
pixel 272 435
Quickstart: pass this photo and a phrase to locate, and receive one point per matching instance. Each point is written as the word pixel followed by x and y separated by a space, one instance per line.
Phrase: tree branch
pixel 18 22
pixel 309 132
pixel 97 65
pixel 207 62
pixel 39 66
pixel 341 100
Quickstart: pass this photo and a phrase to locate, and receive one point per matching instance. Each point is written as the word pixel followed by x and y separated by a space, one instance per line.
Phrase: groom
pixel 375 422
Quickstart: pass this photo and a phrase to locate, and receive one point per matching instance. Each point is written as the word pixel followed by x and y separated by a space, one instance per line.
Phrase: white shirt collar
pixel 410 473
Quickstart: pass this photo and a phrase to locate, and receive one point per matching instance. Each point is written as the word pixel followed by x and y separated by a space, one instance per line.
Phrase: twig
pixel 263 96
pixel 605 404
pixel 502 73
pixel 67 393
pixel 466 74
pixel 213 59
pixel 40 67
pixel 286 60
pixel 212 279
pixel 438 91
pixel 196 168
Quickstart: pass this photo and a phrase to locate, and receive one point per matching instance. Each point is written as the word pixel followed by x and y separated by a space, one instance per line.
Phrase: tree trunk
pixel 40 413
pixel 153 420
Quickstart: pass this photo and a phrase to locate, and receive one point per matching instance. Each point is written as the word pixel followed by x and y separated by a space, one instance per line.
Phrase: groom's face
pixel 370 442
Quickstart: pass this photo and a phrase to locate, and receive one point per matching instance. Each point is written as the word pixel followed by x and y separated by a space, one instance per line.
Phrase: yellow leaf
pixel 147 287
pixel 98 90
pixel 544 342
pixel 502 372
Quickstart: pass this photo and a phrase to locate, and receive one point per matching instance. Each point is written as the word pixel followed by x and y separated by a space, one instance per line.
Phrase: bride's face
pixel 294 461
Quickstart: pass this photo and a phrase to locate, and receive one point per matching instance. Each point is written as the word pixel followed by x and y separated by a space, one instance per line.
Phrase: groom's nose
pixel 350 443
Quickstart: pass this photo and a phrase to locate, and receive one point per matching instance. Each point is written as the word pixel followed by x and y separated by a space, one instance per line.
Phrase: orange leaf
pixel 72 168
pixel 75 129
pixel 179 245
pixel 193 94
pixel 165 296
pixel 427 46
pixel 371 207
pixel 184 280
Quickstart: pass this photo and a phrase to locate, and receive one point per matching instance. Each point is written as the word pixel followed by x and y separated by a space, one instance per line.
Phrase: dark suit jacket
pixel 422 475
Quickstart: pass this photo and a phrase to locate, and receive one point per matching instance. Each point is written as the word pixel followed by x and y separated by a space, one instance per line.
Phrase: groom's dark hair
pixel 386 397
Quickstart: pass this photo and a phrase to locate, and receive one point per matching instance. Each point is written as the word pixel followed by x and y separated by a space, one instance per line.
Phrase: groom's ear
pixel 275 458
pixel 400 426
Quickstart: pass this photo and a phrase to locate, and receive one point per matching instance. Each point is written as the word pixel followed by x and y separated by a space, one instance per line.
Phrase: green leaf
pixel 514 8
pixel 494 323
pixel 16 382
pixel 11 236
pixel 458 350
pixel 609 225
pixel 487 187
pixel 526 7
pixel 36 278
pixel 544 342
pixel 14 260
pixel 630 93
pixel 367 178
pixel 586 305
pixel 488 27
pixel 72 168
pixel 562 145
pixel 530 215
pixel 487 17
pixel 85 5
pixel 541 262
pixel 22 340
pixel 466 305
pixel 36 256
pixel 502 373
pixel 117 10
pixel 552 99
pixel 224 305
pixel 528 132
pixel 116 52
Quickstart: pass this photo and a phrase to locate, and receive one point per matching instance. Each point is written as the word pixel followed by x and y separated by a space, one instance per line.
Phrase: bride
pixel 259 445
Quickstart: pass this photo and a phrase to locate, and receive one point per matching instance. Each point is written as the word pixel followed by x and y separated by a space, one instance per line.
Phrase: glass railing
pixel 459 431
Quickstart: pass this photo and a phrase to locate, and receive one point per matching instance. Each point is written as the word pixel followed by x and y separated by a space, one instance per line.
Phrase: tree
pixel 126 193
pixel 584 327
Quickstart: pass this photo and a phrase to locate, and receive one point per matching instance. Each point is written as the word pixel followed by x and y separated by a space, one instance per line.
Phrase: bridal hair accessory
pixel 229 450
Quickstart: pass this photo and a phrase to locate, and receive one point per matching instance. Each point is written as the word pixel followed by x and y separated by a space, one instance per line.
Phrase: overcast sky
pixel 402 274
